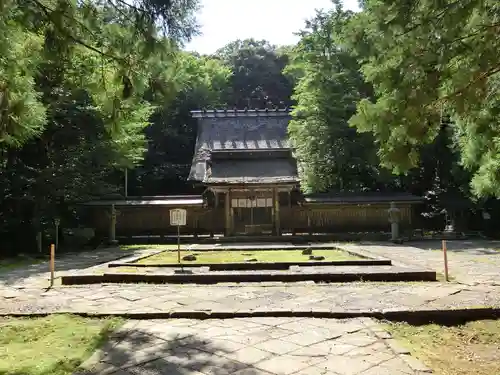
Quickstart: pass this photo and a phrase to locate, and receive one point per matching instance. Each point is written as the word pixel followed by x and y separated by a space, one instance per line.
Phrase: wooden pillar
pixel 112 225
pixel 276 203
pixel 227 209
pixel 231 213
pixel 195 226
pixel 309 224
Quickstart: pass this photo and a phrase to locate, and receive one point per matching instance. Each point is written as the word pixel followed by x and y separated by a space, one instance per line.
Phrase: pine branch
pixel 480 77
pixel 48 13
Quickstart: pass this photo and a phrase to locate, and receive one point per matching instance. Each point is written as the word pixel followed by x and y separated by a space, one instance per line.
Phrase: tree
pixel 196 82
pixel 257 79
pixel 330 153
pixel 114 43
pixel 75 103
pixel 431 60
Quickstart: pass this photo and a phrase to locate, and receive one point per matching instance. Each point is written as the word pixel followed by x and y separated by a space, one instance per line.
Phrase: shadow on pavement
pixel 67 262
pixel 156 350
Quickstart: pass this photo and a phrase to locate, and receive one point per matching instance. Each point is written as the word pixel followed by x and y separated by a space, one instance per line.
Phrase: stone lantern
pixel 394 219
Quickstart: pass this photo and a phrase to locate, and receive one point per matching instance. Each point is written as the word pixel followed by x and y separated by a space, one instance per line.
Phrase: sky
pixel 223 21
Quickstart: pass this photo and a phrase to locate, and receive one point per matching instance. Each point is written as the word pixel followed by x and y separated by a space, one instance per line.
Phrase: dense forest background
pixel 402 96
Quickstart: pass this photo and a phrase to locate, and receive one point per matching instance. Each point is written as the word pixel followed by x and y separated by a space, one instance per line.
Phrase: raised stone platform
pixel 327 274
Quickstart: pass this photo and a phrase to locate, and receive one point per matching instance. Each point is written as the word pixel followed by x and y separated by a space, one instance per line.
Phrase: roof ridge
pixel 240 112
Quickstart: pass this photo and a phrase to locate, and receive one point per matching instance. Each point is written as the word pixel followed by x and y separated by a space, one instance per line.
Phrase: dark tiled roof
pixel 237 131
pixel 252 171
pixel 368 197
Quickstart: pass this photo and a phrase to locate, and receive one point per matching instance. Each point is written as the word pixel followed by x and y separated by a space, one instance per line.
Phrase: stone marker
pixel 394 219
pixel 189 257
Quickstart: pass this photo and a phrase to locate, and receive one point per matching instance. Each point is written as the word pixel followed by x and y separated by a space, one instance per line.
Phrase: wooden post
pixel 445 258
pixel 309 222
pixel 227 209
pixel 112 226
pixel 52 263
pixel 126 183
pixel 276 201
pixel 196 218
pixel 57 222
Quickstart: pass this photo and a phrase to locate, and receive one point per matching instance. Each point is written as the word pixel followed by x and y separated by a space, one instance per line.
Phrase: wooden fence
pixel 155 220
pixel 325 218
pixel 333 218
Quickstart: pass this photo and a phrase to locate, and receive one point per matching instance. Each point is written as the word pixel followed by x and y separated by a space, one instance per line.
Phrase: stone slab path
pixel 470 262
pixel 122 299
pixel 254 346
pixel 36 275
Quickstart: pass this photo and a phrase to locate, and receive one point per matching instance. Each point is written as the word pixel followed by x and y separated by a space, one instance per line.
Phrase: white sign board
pixel 178 217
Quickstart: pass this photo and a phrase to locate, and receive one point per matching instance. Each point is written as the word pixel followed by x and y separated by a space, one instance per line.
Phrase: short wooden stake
pixel 52 263
pixel 445 257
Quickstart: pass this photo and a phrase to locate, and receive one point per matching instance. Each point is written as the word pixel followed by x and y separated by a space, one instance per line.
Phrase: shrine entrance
pixel 253 214
pixel 251 210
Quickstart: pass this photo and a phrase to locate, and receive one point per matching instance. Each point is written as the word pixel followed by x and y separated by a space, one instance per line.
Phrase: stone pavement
pixel 253 346
pixel 138 299
pixel 86 262
pixel 470 262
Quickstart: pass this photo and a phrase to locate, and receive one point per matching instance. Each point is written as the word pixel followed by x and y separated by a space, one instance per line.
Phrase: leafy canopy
pixel 112 49
pixel 330 153
pixel 430 60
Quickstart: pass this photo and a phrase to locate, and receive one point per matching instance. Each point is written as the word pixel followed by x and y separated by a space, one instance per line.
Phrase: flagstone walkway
pixel 256 346
pixel 294 298
pixel 36 275
pixel 470 262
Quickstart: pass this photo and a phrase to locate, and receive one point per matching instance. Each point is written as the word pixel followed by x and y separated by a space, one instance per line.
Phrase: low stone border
pixel 258 265
pixel 365 261
pixel 140 257
pixel 247 278
pixel 416 317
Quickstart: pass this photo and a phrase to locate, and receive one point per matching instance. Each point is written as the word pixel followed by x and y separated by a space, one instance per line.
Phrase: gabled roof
pixel 225 131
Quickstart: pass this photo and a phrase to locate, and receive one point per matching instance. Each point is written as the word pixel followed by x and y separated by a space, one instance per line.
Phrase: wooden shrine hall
pixel 245 167
pixel 246 163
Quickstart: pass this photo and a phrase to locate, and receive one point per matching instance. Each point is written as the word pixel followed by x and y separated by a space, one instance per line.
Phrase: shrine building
pixel 244 167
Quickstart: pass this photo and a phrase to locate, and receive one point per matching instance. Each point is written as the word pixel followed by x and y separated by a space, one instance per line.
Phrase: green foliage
pixel 109 46
pixel 22 116
pixel 195 82
pixel 78 82
pixel 331 155
pixel 257 79
pixel 427 60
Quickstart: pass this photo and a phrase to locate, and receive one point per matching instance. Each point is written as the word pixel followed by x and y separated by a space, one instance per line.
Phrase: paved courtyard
pixel 256 346
pixel 471 262
pixel 291 298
